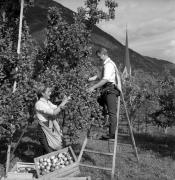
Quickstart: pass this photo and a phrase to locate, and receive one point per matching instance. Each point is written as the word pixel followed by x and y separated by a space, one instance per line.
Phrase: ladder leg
pixel 109 147
pixel 82 149
pixel 130 128
pixel 116 139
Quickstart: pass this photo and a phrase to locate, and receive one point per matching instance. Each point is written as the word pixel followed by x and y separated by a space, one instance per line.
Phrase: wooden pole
pixel 20 27
pixel 130 128
pixel 14 85
pixel 8 159
pixel 116 140
pixel 82 149
pixel 19 39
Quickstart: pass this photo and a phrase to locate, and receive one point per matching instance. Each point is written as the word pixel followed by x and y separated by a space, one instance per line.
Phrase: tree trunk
pixel 3 15
pixel 166 130
pixel 146 128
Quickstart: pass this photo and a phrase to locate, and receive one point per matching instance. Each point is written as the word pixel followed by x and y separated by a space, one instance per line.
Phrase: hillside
pixel 37 20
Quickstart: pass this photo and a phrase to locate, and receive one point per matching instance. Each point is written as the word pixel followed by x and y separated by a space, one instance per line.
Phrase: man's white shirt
pixel 111 73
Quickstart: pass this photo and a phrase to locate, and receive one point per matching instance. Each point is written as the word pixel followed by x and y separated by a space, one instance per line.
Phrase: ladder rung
pixel 96 167
pixel 120 134
pixel 98 152
pixel 121 144
pixel 124 144
pixel 123 124
pixel 125 153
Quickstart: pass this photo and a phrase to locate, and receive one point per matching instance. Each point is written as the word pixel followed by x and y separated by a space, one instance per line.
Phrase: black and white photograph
pixel 87 90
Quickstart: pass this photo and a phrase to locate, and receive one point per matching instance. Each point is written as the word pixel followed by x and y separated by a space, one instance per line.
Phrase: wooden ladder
pixel 115 141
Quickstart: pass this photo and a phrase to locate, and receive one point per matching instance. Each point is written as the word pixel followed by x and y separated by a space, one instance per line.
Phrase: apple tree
pixel 66 64
pixel 15 108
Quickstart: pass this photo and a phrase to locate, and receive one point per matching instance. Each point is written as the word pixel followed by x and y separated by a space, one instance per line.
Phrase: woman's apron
pixel 53 134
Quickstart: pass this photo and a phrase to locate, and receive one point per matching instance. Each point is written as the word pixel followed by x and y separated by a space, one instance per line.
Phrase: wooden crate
pixel 70 170
pixel 72 178
pixel 14 174
pixel 65 178
pixel 19 176
pixel 19 165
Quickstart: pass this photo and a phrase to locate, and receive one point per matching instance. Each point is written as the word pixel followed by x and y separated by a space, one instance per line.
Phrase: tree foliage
pixel 16 108
pixel 164 113
pixel 150 99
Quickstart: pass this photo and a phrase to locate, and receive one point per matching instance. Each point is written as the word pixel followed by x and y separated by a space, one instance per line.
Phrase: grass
pixel 156 154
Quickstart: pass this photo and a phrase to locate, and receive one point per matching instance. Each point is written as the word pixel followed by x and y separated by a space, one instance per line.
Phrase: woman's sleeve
pixel 44 108
pixel 53 106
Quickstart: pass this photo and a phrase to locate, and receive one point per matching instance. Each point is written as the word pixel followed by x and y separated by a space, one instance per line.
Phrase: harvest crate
pixel 19 176
pixel 23 165
pixel 51 167
pixel 71 178
pixel 22 171
pixel 65 178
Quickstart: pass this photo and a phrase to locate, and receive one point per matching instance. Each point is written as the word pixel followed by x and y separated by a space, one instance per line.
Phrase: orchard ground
pixel 156 153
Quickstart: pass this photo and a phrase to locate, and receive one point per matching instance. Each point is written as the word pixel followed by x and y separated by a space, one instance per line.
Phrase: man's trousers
pixel 108 100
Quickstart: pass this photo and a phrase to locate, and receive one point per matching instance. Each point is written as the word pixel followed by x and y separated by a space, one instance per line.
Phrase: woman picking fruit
pixel 49 132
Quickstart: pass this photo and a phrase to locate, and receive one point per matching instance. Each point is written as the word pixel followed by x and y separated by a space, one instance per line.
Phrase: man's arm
pixel 98 85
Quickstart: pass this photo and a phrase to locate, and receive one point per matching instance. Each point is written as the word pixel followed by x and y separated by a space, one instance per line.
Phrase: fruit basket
pixel 61 163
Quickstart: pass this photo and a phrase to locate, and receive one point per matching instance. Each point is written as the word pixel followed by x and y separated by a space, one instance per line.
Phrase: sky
pixel 150 25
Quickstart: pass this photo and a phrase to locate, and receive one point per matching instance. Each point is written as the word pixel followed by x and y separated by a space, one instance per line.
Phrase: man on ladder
pixel 110 89
pixel 110 84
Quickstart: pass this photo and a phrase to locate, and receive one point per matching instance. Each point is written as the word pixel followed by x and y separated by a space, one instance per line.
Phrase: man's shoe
pixel 112 136
pixel 108 136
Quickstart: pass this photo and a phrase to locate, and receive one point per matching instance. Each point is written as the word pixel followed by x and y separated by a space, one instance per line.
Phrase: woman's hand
pixel 62 105
pixel 65 100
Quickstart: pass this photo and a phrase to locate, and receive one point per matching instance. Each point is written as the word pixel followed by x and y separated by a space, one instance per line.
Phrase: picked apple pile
pixel 50 164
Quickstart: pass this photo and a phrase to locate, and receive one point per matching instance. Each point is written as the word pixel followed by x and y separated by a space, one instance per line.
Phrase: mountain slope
pixel 37 20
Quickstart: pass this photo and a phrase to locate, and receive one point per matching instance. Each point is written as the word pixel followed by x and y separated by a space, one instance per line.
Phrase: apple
pixel 52 157
pixel 67 163
pixel 45 163
pixel 41 160
pixel 48 160
pixel 47 168
pixel 54 161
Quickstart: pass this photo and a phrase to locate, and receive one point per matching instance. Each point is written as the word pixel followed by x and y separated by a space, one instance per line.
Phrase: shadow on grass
pixel 27 151
pixel 3 150
pixel 29 147
pixel 164 145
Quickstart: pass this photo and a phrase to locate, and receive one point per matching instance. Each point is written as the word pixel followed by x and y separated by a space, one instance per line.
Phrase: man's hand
pixel 93 78
pixel 97 85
